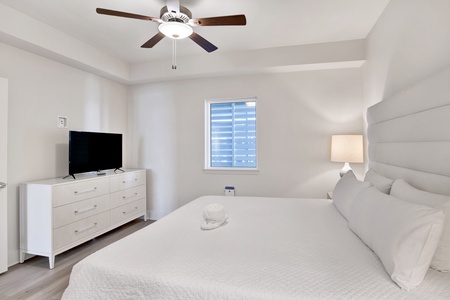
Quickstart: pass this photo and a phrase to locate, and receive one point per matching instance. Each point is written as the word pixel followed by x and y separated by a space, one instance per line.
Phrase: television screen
pixel 94 151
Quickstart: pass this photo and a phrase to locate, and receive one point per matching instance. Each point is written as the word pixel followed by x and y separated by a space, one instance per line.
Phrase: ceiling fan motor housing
pixel 183 16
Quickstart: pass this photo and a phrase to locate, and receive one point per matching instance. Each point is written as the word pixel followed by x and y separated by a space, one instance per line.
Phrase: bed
pixel 280 248
pixel 270 249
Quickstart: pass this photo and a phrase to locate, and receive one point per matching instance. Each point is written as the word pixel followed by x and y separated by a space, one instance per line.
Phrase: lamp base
pixel 345 169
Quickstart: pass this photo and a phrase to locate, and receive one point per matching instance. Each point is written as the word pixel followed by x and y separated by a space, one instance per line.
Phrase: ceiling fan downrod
pixel 174 54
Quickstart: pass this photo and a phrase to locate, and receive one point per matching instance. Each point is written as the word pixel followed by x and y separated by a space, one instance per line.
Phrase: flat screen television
pixel 94 151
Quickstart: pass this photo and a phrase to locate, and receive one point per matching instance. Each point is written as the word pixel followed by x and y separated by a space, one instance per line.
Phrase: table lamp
pixel 347 149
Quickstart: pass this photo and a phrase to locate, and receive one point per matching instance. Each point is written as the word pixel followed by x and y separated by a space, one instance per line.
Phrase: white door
pixel 3 189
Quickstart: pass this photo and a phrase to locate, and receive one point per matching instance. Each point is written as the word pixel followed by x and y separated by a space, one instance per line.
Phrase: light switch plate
pixel 229 191
pixel 62 122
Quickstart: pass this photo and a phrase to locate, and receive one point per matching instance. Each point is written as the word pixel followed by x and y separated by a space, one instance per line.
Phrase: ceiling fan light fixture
pixel 175 30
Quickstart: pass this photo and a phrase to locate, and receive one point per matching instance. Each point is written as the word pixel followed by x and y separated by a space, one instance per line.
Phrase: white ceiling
pixel 269 24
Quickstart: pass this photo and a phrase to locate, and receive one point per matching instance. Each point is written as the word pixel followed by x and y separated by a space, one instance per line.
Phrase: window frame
pixel 207 155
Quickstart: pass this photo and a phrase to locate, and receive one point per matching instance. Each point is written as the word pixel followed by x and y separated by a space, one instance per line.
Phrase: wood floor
pixel 34 280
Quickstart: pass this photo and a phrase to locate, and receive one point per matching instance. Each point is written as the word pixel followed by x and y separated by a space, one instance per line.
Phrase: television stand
pixel 56 215
pixel 69 176
pixel 118 169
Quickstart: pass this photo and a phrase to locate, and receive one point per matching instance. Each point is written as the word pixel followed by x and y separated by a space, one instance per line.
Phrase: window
pixel 231 134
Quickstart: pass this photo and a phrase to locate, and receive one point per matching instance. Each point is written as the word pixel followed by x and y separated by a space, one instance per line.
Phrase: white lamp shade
pixel 347 148
pixel 175 30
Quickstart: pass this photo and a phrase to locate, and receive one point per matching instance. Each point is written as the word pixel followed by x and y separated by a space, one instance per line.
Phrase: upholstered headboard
pixel 409 135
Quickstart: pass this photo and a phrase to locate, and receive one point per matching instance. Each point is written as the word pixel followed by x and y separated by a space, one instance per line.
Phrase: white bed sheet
pixel 271 248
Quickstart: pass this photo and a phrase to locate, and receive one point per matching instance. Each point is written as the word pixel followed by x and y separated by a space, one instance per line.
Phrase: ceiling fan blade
pixel 235 20
pixel 116 13
pixel 173 6
pixel 153 41
pixel 202 42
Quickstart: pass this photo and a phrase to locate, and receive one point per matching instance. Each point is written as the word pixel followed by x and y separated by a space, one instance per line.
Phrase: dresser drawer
pixel 126 196
pixel 70 213
pixel 127 180
pixel 75 231
pixel 77 191
pixel 127 211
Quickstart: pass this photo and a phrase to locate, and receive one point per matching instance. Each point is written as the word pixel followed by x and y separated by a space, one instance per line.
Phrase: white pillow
pixel 402 234
pixel 345 192
pixel 382 183
pixel 403 191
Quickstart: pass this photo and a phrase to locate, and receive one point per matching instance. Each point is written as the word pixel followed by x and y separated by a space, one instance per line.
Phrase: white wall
pixel 297 114
pixel 410 42
pixel 39 91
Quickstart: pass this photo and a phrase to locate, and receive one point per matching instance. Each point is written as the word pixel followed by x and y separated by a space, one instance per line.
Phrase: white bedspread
pixel 270 249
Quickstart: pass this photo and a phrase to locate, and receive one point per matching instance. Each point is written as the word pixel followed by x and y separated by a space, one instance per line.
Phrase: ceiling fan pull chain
pixel 174 54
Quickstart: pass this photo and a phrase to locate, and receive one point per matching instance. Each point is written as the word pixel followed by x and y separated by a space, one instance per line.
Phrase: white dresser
pixel 59 214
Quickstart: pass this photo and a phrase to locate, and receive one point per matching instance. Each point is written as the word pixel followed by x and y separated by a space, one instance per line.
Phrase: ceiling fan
pixel 176 22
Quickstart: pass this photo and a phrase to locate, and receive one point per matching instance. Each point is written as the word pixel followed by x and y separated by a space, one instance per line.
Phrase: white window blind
pixel 232 134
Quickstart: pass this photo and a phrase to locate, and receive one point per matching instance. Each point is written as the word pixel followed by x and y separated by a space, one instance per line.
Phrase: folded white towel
pixel 214 216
